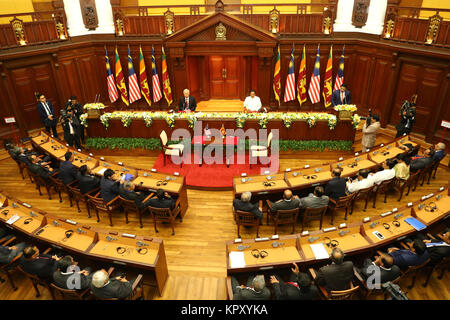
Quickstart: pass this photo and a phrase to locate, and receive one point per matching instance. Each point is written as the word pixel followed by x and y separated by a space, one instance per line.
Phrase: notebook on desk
pixel 416 224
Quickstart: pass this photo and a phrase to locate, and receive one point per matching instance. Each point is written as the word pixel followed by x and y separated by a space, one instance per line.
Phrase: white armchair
pixel 170 150
pixel 261 151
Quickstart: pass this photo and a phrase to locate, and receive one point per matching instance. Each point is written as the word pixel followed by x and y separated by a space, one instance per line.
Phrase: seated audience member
pixel 109 189
pixel 420 162
pixel 383 265
pixel 40 168
pixel 337 275
pixel 163 200
pixel 64 278
pixel 317 199
pixel 22 154
pixel 288 202
pixel 437 249
pixel 402 167
pixel 41 265
pixel 363 181
pixel 67 171
pixel 245 205
pixel 86 181
pixel 387 172
pixel 126 191
pixel 335 188
pixel 439 153
pixel 255 290
pixel 415 256
pixel 104 287
pixel 299 286
pixel 8 253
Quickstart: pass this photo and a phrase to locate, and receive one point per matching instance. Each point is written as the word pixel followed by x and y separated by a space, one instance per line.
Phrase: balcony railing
pixel 32 28
pixel 415 25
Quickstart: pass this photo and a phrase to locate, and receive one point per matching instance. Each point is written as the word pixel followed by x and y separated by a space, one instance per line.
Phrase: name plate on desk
pixel 261 239
pixel 71 222
pixel 13 219
pixel 128 235
pixel 366 219
pixel 342 225
pixel 26 205
pixel 410 204
pixel 386 214
pixel 441 189
pixel 305 233
pixel 329 229
pixel 237 240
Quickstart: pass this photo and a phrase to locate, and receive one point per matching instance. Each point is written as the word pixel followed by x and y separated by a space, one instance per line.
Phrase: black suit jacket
pixel 43 266
pixel 132 195
pixel 336 98
pixel 335 277
pixel 247 207
pixel 67 172
pixel 286 291
pixel 335 188
pixel 40 170
pixel 163 203
pixel 87 183
pixel 420 163
pixel 284 205
pixel 61 280
pixel 182 103
pixel 437 253
pixel 109 189
pixel 43 113
pixel 114 289
pixel 385 274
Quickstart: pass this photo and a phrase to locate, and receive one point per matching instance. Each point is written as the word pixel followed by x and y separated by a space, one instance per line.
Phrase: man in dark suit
pixel 9 253
pixel 420 162
pixel 109 189
pixel 162 200
pixel 437 248
pixel 87 182
pixel 341 96
pixel 40 168
pixel 126 191
pixel 71 128
pixel 64 278
pixel 287 203
pixel 314 200
pixel 337 275
pixel 299 286
pixel 335 188
pixel 41 265
pixel 105 288
pixel 67 171
pixel 416 255
pixel 384 265
pixel 47 114
pixel 77 110
pixel 440 151
pixel 255 290
pixel 245 205
pixel 187 102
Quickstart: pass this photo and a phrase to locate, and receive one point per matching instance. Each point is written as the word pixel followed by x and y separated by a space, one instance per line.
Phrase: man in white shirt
pixel 361 182
pixel 252 102
pixel 386 174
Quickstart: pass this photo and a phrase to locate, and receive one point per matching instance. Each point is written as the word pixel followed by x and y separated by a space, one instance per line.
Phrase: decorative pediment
pixel 231 34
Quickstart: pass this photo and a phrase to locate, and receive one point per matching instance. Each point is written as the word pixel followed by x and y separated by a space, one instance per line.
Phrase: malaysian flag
pixel 289 91
pixel 133 86
pixel 112 90
pixel 340 74
pixel 157 95
pixel 314 84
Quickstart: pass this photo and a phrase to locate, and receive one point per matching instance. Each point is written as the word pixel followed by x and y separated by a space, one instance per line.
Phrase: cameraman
pixel 77 109
pixel 407 118
pixel 71 127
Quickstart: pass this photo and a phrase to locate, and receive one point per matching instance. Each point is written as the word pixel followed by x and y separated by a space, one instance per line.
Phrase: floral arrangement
pixel 94 106
pixel 287 120
pixel 262 121
pixel 126 118
pixel 104 119
pixel 311 120
pixel 147 119
pixel 346 107
pixel 241 119
pixel 83 120
pixel 191 118
pixel 355 121
pixel 332 122
pixel 170 119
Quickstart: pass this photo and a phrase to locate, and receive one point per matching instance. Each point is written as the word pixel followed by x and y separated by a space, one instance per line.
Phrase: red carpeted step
pixel 210 175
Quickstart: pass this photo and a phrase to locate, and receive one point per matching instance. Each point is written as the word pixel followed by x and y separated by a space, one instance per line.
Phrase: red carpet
pixel 209 175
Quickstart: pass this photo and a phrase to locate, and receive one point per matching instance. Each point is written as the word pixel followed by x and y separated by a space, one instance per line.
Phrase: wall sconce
pixel 389 29
pixel 19 31
pixel 168 15
pixel 61 31
pixel 274 20
pixel 326 21
pixel 433 28
pixel 119 27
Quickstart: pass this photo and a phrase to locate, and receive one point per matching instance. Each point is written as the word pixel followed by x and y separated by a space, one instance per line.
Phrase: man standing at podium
pixel 341 96
pixel 187 103
pixel 252 102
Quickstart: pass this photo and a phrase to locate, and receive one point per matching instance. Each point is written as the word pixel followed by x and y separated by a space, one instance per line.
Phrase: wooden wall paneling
pixel 435 131
pixel 265 73
pixel 194 76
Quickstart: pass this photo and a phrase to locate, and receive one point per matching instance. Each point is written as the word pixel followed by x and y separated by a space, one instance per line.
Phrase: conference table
pixel 133 253
pixel 148 180
pixel 357 238
pixel 228 144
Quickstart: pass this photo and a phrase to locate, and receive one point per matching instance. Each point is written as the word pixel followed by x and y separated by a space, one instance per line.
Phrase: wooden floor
pixel 196 254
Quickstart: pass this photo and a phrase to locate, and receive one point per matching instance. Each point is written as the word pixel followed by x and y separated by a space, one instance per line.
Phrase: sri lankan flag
pixel 327 85
pixel 165 79
pixel 143 78
pixel 277 77
pixel 301 82
pixel 120 80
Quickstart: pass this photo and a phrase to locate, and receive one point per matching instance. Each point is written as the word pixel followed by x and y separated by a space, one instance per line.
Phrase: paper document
pixel 237 259
pixel 13 219
pixel 102 171
pixel 319 251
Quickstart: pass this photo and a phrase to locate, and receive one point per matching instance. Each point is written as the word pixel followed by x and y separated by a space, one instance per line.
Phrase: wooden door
pixel 225 72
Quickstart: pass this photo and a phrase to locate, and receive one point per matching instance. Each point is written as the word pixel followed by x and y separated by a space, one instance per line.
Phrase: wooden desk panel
pixel 256 183
pixel 24 213
pixel 391 149
pixel 362 163
pixel 82 159
pixel 443 208
pixel 118 170
pixel 406 140
pixel 296 177
pixel 151 181
pixel 40 139
pixel 56 234
pixel 54 148
pixel 393 232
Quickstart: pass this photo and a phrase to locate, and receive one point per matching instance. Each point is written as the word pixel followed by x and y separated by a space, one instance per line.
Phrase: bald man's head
pixel 287 194
pixel 337 256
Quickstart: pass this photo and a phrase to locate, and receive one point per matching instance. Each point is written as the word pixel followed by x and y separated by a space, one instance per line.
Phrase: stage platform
pixel 220 106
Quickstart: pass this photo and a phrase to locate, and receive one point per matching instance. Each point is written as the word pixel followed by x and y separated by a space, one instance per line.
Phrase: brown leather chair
pixel 282 217
pixel 383 187
pixel 61 187
pixel 435 167
pixel 166 215
pixel 78 196
pixel 311 214
pixel 368 291
pixel 21 167
pixel 363 194
pixel 130 206
pixel 41 182
pixel 10 268
pixel 68 294
pixel 426 173
pixel 243 218
pixel 411 182
pixel 344 202
pixel 98 204
pixel 335 295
